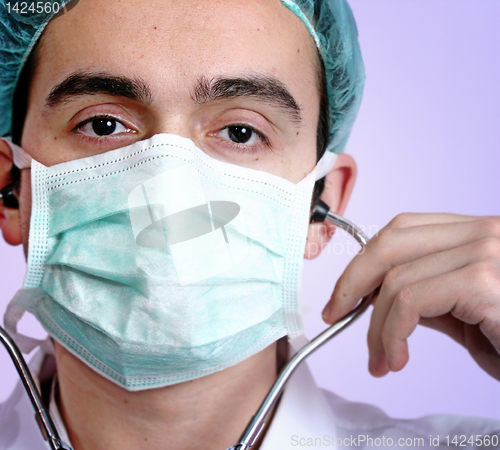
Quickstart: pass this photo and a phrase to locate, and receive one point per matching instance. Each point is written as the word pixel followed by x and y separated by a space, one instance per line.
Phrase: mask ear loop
pixel 14 313
pixel 8 198
pixel 321 213
pixel 21 159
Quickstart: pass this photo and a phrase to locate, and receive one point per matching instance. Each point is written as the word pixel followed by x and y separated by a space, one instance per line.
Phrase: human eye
pixel 101 126
pixel 243 136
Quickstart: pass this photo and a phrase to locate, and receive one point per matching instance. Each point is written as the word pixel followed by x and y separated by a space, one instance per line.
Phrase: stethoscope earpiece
pixel 8 197
pixel 320 212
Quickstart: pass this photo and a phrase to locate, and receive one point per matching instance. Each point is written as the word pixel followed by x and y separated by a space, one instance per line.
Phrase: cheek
pixel 317 238
pixel 304 157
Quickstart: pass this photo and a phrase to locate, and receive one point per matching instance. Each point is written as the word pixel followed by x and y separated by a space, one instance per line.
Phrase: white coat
pixel 307 417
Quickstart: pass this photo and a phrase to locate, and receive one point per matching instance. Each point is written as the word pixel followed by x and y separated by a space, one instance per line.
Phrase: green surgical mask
pixel 156 264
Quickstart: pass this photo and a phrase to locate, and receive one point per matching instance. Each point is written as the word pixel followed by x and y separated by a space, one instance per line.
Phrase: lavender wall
pixel 427 139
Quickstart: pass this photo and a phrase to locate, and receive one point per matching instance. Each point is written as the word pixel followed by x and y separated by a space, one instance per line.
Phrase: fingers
pixel 414 272
pixel 397 246
pixel 442 270
pixel 317 238
pixel 470 294
pixel 406 220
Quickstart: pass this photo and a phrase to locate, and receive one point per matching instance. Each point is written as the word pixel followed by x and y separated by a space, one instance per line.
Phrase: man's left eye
pixel 102 126
pixel 241 134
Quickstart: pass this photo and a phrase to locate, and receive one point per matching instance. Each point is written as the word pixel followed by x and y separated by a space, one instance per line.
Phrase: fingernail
pixel 388 362
pixel 326 312
pixel 374 366
pixel 371 365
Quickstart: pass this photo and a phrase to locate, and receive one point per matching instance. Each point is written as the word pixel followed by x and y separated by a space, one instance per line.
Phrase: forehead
pixel 172 40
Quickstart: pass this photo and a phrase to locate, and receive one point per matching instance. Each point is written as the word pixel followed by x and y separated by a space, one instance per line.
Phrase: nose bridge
pixel 174 120
pixel 173 107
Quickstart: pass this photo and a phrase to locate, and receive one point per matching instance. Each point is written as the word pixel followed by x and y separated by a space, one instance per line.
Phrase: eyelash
pixel 98 116
pixel 240 147
pixel 244 147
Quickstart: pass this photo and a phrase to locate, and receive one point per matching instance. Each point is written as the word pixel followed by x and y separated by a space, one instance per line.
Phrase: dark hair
pixel 323 129
pixel 21 102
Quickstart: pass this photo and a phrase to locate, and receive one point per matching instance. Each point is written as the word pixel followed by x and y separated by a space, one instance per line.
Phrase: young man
pixel 244 84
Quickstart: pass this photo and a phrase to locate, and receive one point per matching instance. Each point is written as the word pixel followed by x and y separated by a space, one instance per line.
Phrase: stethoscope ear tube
pixel 321 213
pixel 42 417
pixel 257 423
pixel 8 197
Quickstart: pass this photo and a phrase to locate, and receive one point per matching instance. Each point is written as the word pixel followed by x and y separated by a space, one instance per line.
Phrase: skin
pixel 440 270
pixel 266 40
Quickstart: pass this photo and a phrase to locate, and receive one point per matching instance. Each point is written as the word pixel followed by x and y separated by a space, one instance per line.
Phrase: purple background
pixel 427 140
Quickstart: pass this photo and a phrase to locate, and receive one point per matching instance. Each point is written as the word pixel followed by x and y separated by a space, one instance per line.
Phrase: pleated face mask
pixel 156 264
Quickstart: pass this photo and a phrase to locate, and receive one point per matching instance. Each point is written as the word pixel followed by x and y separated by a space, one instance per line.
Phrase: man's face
pixel 198 66
pixel 227 74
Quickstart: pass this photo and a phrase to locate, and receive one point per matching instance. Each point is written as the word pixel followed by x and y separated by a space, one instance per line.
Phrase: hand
pixel 439 270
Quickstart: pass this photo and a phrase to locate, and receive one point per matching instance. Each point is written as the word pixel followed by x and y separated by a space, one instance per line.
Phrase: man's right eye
pixel 102 126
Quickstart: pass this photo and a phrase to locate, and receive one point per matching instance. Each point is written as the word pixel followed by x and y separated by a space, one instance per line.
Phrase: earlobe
pixel 339 183
pixel 9 217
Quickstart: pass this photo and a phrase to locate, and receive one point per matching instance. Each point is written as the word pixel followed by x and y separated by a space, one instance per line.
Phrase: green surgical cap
pixel 21 24
pixel 330 23
pixel 332 26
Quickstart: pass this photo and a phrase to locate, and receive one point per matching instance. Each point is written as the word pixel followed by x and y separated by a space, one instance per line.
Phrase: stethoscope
pixel 250 435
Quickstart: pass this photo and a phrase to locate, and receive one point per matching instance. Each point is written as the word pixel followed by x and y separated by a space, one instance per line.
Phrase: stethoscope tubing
pixel 257 423
pixel 42 417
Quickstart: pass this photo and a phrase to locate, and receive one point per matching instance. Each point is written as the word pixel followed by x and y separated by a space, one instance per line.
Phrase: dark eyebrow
pixel 94 83
pixel 262 88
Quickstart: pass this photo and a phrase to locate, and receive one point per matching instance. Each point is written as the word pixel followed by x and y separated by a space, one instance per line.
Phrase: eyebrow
pixel 94 83
pixel 262 88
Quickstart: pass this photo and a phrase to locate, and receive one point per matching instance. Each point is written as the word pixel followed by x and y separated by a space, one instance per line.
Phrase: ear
pixel 9 218
pixel 339 183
